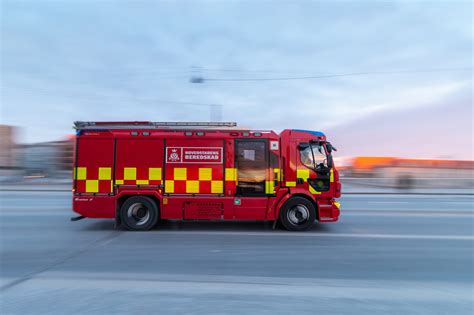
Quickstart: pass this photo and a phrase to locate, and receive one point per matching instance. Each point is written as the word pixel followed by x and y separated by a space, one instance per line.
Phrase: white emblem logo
pixel 174 155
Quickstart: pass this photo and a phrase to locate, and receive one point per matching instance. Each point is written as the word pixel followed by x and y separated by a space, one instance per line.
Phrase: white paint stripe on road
pixel 410 210
pixel 466 202
pixel 389 202
pixel 470 202
pixel 44 286
pixel 309 234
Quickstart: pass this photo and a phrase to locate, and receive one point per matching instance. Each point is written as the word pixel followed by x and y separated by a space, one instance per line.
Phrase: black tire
pixel 139 213
pixel 297 214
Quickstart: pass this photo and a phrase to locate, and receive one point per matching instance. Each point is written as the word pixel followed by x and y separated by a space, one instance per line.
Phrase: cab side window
pixel 314 156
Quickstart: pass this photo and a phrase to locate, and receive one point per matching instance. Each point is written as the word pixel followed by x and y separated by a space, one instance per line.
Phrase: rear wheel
pixel 139 213
pixel 297 214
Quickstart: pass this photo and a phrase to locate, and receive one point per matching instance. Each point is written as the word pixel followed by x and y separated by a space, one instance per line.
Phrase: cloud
pixel 102 61
pixel 444 130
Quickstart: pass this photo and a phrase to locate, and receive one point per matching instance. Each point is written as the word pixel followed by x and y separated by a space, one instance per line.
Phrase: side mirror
pixel 330 147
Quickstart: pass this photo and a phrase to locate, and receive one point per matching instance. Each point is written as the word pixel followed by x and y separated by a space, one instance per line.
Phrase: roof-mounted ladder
pixel 150 125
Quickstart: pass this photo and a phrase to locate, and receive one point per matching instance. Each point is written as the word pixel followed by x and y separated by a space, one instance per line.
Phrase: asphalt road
pixel 387 255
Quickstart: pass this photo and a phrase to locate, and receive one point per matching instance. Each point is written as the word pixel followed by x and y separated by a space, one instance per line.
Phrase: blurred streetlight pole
pixel 216 112
pixel 215 109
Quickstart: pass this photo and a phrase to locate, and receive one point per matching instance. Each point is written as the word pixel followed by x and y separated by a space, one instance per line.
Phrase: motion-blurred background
pixel 390 83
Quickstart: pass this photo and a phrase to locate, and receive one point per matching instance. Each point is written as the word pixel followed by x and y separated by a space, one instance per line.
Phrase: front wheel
pixel 139 213
pixel 297 214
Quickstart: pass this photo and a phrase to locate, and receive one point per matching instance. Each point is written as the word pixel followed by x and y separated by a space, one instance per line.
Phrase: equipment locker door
pixel 139 162
pixel 194 179
pixel 252 163
pixel 94 164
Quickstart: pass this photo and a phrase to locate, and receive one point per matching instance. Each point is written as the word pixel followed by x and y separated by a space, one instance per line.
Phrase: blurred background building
pixel 7 147
pixel 53 161
pixel 48 159
pixel 411 173
pixel 9 163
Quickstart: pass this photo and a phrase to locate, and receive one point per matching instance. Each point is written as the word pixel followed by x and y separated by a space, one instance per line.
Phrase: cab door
pixel 252 164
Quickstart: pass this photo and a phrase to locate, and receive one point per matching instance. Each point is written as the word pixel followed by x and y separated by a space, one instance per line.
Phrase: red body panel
pixel 95 206
pixel 94 165
pixel 194 176
pixel 194 166
pixel 139 162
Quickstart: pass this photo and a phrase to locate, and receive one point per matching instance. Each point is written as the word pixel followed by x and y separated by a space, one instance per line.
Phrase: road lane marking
pixel 73 254
pixel 431 210
pixel 309 234
pixel 389 202
pixel 198 287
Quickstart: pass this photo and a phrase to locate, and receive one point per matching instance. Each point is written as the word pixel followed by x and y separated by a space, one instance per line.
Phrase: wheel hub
pixel 139 213
pixel 298 214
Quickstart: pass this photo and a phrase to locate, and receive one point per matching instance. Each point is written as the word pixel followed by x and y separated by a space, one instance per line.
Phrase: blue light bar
pixel 314 133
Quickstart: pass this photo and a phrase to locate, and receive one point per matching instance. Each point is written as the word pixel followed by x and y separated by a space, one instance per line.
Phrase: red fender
pixel 291 193
pixel 141 192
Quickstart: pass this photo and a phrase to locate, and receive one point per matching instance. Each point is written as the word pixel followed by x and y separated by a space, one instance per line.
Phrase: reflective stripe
pixel 217 187
pixel 179 173
pixel 169 186
pixel 269 187
pixel 303 173
pixel 331 176
pixel 204 184
pixel 230 174
pixel 192 186
pixel 105 173
pixel 313 191
pixel 101 182
pixel 81 173
pixel 290 184
pixel 130 173
pixel 277 173
pixel 195 180
pixel 154 173
pixel 205 173
pixel 92 186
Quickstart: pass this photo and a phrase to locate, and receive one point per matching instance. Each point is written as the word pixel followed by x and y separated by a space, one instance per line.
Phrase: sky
pixel 63 61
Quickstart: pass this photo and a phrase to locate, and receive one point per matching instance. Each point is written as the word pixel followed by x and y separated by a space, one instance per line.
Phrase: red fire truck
pixel 142 172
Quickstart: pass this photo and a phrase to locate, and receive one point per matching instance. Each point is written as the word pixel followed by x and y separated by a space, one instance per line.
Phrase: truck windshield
pixel 314 156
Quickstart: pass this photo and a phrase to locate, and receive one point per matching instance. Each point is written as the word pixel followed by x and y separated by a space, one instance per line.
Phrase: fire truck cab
pixel 139 173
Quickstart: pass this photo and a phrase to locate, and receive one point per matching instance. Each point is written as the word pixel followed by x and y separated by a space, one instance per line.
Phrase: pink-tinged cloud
pixel 444 131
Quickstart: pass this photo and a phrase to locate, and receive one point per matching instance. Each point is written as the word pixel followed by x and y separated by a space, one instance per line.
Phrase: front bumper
pixel 329 211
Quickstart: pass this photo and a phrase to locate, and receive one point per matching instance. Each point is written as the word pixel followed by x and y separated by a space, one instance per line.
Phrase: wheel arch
pixel 298 194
